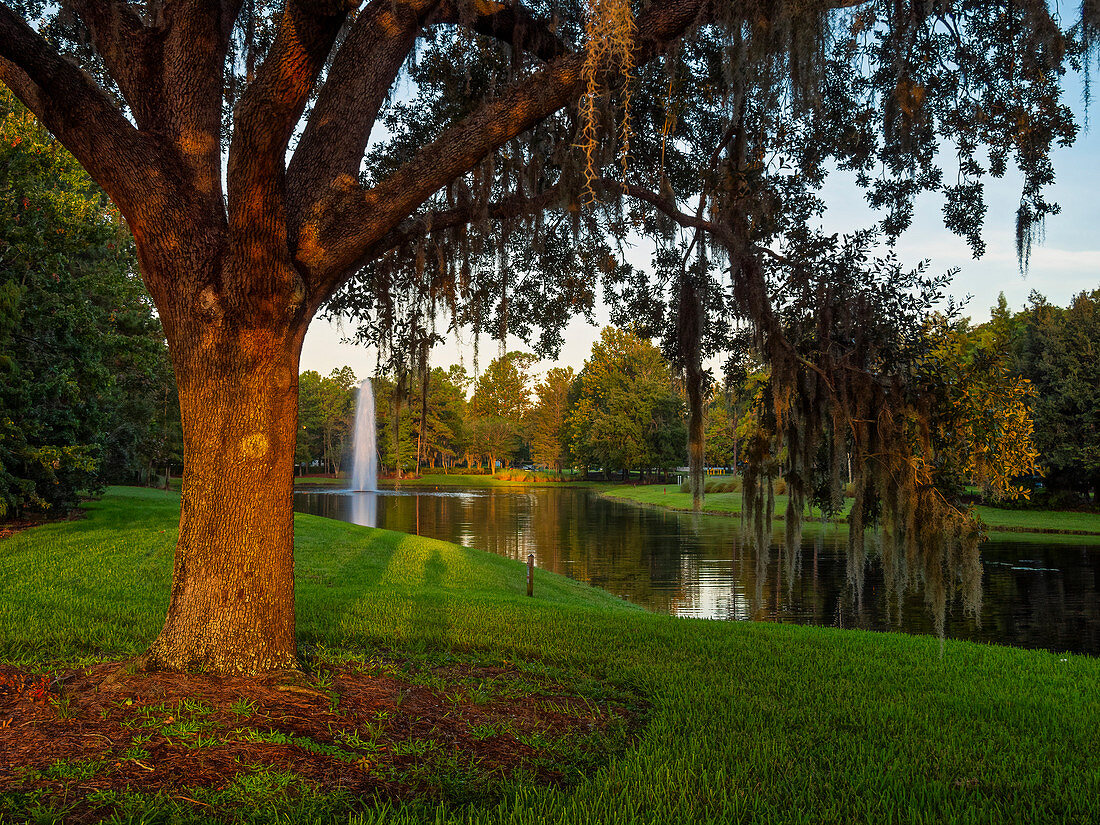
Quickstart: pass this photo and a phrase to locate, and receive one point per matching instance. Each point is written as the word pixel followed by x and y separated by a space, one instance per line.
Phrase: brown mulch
pixel 18 525
pixel 91 717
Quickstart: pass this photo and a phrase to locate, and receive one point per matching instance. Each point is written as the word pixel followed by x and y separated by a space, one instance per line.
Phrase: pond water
pixel 1035 594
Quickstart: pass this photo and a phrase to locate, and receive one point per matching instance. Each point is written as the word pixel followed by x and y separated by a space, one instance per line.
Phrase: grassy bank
pixel 1069 524
pixel 744 722
pixel 320 481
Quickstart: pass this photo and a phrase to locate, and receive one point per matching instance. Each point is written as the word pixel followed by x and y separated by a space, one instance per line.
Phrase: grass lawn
pixel 740 722
pixel 997 520
pixel 320 481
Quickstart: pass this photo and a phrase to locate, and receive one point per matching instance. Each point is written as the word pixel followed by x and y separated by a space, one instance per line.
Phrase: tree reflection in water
pixel 1035 594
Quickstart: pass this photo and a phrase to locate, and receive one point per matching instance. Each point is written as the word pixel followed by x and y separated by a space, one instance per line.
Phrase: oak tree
pixel 232 138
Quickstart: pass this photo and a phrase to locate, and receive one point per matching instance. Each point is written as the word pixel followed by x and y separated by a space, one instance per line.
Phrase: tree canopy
pixel 627 414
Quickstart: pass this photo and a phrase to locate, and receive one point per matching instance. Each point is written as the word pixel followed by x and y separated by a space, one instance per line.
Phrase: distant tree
pixel 1058 350
pixel 337 396
pixel 86 389
pixel 626 415
pixel 546 422
pixel 729 403
pixel 326 413
pixel 501 399
pixel 310 446
pixel 721 433
pixel 980 410
pixel 391 447
pixel 441 435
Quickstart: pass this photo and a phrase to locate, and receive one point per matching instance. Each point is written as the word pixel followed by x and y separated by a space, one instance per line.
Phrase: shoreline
pixel 631 495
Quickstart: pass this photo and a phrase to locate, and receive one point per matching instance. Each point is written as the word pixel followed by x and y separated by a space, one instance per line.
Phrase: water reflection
pixel 1035 595
pixel 363 509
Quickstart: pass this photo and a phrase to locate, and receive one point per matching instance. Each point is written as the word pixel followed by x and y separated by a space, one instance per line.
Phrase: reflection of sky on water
pixel 1035 595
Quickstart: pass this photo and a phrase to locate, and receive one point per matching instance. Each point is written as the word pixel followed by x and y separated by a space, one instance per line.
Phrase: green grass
pixel 319 481
pixel 669 495
pixel 1041 521
pixel 747 722
pixel 1057 524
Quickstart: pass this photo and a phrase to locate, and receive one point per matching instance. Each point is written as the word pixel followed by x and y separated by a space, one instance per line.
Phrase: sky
pixel 1065 263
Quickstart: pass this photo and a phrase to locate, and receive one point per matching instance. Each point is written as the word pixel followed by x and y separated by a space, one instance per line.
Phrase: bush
pixel 526 476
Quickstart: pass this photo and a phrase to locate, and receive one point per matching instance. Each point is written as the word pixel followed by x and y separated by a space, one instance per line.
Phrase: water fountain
pixel 364 462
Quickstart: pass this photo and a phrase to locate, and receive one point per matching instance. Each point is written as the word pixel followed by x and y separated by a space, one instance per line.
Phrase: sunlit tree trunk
pixel 231 607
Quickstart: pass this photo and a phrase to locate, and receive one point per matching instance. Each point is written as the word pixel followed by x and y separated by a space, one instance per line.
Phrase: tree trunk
pixel 696 438
pixel 232 602
pixel 689 335
pixel 398 403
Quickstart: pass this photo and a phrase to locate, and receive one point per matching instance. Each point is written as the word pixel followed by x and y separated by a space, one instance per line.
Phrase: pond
pixel 1035 594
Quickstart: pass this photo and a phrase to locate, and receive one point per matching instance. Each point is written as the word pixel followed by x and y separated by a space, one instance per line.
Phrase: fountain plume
pixel 364 464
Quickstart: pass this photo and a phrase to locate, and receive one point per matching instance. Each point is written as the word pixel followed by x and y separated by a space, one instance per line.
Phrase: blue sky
pixel 1067 261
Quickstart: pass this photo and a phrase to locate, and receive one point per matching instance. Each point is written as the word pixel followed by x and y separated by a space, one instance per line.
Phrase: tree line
pixel 624 412
pixel 621 413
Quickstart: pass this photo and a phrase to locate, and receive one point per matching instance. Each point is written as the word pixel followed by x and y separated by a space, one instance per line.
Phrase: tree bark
pixel 232 602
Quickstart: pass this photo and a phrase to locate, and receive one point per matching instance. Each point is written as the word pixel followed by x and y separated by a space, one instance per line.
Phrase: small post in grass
pixel 530 574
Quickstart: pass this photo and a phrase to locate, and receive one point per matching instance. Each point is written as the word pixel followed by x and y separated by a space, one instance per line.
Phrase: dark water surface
pixel 1036 594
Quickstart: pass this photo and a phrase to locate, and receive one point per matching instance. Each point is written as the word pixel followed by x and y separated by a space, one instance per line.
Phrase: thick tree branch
pixel 339 127
pixel 512 24
pixel 514 206
pixel 127 46
pixel 80 113
pixel 721 232
pixel 187 91
pixel 267 115
pixel 347 222
pixel 665 205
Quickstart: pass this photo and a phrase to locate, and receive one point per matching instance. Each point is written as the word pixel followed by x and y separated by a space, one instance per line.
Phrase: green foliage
pixel 499 407
pixel 980 423
pixel 547 418
pixel 86 390
pixel 626 414
pixel 326 412
pixel 1058 351
pixel 442 434
pixel 445 431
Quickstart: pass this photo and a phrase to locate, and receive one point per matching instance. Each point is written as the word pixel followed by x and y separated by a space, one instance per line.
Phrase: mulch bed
pixel 72 733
